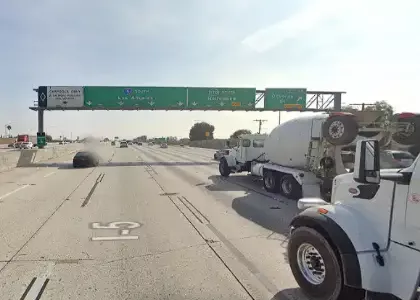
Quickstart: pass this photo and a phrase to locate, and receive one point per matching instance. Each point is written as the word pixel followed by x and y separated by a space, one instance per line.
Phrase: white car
pixel 27 145
pixel 163 145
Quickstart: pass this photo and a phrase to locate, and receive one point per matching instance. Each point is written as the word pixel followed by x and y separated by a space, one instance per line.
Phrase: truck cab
pixel 250 148
pixel 368 237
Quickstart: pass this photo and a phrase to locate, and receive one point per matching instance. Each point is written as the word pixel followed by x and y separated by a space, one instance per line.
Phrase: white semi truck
pixel 366 243
pixel 301 157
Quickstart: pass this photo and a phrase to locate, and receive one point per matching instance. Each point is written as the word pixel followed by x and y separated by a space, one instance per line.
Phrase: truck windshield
pixel 387 162
pixel 402 155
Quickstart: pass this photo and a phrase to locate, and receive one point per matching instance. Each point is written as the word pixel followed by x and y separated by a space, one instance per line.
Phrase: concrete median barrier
pixel 24 158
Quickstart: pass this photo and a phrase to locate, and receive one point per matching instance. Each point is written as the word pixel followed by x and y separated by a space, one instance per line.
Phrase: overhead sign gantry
pixel 180 98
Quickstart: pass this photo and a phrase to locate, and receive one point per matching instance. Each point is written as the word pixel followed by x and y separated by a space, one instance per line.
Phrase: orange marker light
pixel 322 211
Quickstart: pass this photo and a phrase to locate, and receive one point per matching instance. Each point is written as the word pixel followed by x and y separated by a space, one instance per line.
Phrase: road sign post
pixel 221 98
pixel 285 99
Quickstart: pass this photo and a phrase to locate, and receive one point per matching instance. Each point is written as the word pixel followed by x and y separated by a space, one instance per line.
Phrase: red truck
pixel 26 138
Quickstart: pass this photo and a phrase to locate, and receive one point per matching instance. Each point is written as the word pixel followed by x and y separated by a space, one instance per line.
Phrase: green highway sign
pixel 167 98
pixel 278 99
pixel 221 98
pixel 41 141
pixel 141 97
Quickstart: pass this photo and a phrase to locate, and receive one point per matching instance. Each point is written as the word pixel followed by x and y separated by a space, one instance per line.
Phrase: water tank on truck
pixel 288 143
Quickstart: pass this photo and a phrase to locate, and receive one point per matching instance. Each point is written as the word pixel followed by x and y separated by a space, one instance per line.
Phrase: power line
pixel 259 124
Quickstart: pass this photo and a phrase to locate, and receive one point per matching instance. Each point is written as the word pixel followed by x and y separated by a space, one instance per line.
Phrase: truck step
pixel 379 296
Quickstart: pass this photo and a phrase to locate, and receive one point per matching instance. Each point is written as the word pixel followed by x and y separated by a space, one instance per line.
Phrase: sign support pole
pixel 40 125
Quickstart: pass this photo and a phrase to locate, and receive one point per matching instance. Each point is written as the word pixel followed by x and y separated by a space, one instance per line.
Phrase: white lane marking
pixel 123 227
pixel 114 238
pixel 14 191
pixel 49 174
pixel 116 225
pixel 39 282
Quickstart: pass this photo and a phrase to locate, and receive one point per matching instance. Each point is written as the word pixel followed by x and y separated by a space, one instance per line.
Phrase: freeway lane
pixel 148 223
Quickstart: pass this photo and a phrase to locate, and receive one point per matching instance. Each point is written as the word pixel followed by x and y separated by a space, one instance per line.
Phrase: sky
pixel 369 49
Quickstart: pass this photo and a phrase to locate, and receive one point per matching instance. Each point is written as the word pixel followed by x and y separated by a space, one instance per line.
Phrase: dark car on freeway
pixel 85 159
pixel 123 144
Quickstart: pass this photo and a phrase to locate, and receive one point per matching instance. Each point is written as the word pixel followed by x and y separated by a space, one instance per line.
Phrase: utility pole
pixel 362 104
pixel 259 124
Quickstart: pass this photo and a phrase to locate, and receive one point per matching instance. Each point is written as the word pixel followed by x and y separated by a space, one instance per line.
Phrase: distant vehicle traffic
pixel 26 138
pixel 113 143
pixel 151 144
pixel 163 145
pixel 123 144
pixel 84 159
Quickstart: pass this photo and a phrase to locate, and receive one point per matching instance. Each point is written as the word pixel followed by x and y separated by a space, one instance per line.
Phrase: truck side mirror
pixel 366 164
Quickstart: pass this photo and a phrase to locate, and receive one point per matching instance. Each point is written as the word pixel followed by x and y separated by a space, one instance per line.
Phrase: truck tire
pixel 290 188
pixel 224 167
pixel 340 130
pixel 315 265
pixel 412 135
pixel 271 181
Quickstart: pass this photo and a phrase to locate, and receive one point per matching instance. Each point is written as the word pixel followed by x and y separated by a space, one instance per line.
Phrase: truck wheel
pixel 340 130
pixel 290 188
pixel 271 181
pixel 224 168
pixel 314 264
pixel 411 133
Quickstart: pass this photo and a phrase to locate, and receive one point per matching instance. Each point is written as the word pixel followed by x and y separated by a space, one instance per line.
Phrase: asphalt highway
pixel 147 223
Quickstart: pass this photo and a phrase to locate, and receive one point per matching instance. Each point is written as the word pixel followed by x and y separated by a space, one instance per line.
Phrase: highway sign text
pixel 221 98
pixel 279 99
pixel 140 97
pixel 60 96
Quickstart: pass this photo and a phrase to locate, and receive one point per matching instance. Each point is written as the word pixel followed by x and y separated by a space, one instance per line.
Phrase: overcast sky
pixel 370 49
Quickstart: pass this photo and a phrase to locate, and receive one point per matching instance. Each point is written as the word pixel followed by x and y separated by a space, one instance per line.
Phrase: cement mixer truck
pixel 301 157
